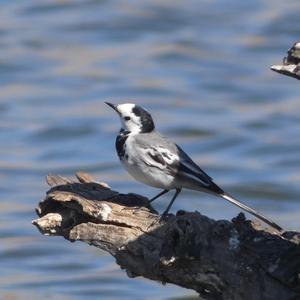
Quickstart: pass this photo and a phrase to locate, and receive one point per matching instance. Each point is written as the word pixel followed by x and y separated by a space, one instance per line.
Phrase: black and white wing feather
pixel 189 171
pixel 172 160
pixel 161 158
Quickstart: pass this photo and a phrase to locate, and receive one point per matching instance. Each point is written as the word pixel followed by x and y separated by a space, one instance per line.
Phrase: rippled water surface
pixel 200 67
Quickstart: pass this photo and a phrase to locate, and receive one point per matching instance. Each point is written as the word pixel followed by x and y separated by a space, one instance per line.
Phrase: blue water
pixel 200 67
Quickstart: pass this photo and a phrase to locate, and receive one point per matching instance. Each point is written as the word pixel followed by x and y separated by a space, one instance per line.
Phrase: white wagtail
pixel 158 162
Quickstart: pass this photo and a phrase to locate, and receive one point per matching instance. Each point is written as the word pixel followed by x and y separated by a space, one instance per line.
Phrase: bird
pixel 156 161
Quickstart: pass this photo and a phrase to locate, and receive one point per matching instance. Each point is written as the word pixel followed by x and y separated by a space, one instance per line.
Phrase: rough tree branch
pixel 291 63
pixel 218 259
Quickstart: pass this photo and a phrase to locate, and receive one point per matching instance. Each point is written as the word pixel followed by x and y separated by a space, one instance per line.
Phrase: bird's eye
pixel 127 118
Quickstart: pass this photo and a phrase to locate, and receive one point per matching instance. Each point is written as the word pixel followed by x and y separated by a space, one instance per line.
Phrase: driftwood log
pixel 225 260
pixel 291 63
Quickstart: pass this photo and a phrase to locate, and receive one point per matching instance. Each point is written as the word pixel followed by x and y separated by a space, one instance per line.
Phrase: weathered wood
pixel 291 63
pixel 218 259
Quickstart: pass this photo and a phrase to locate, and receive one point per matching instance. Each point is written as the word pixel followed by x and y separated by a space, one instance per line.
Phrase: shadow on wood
pixel 218 259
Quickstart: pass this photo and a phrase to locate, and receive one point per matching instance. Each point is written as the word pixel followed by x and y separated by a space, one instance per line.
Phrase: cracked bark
pixel 218 259
pixel 291 63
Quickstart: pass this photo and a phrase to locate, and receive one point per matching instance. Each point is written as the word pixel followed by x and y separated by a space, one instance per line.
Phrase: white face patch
pixel 129 120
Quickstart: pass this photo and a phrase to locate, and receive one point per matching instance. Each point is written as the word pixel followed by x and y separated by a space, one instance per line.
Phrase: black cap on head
pixel 146 119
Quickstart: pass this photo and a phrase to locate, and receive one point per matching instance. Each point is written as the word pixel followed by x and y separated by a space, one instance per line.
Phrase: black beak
pixel 113 106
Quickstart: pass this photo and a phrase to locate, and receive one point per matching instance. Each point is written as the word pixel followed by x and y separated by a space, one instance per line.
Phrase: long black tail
pixel 251 211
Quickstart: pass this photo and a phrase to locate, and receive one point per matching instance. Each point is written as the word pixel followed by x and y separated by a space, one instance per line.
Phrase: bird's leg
pixel 172 201
pixel 157 196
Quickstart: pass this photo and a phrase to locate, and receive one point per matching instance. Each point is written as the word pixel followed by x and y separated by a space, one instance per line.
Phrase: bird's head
pixel 133 117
